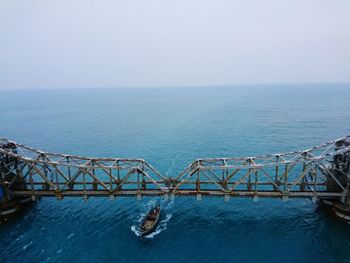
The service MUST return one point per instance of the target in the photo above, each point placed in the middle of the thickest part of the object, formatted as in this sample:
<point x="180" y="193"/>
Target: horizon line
<point x="167" y="86"/>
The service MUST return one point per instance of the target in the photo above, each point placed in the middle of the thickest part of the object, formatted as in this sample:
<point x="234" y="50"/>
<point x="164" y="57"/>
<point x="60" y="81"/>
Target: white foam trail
<point x="161" y="226"/>
<point x="135" y="230"/>
<point x="169" y="204"/>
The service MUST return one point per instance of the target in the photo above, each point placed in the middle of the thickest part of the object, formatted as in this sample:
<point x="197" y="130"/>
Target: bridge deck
<point x="192" y="192"/>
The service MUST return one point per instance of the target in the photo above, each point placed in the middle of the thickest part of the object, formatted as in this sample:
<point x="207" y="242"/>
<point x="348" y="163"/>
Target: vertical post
<point x="118" y="174"/>
<point x="302" y="184"/>
<point x="138" y="181"/>
<point x="57" y="181"/>
<point x="31" y="182"/>
<point x="119" y="186"/>
<point x="276" y="169"/>
<point x="249" y="185"/>
<point x="110" y="179"/>
<point x="84" y="185"/>
<point x="223" y="175"/>
<point x="286" y="178"/>
<point x="144" y="185"/>
<point x="277" y="181"/>
<point x="198" y="183"/>
<point x="94" y="183"/>
<point x="225" y="183"/>
<point x="69" y="172"/>
<point x="315" y="179"/>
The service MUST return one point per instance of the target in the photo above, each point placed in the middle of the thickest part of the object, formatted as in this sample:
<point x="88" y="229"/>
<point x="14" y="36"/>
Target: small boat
<point x="151" y="221"/>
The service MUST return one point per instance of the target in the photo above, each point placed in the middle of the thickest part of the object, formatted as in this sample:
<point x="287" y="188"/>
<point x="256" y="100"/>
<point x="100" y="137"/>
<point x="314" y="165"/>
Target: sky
<point x="113" y="43"/>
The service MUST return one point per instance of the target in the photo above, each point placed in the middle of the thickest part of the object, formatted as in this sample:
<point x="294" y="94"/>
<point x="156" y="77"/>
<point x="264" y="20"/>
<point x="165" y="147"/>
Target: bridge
<point x="321" y="172"/>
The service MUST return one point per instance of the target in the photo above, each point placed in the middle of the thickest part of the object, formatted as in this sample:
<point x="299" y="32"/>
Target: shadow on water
<point x="24" y="211"/>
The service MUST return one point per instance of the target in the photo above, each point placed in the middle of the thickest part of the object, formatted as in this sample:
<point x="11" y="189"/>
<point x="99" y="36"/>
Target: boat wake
<point x="162" y="225"/>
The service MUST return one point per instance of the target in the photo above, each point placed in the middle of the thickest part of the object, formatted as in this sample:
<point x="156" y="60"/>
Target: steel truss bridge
<point x="319" y="172"/>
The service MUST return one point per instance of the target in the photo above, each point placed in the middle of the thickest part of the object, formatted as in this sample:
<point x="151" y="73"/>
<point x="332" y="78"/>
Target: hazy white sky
<point x="63" y="44"/>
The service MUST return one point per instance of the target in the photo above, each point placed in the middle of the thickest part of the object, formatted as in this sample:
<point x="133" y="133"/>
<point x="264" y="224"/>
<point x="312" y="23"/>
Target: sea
<point x="170" y="127"/>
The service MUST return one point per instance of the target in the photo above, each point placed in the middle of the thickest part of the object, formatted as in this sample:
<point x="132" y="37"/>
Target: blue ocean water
<point x="170" y="127"/>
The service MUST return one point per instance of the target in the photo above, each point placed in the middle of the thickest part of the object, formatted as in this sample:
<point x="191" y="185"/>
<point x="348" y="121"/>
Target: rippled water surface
<point x="170" y="128"/>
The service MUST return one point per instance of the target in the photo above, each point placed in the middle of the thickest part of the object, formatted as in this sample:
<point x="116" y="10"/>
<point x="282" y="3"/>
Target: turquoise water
<point x="170" y="128"/>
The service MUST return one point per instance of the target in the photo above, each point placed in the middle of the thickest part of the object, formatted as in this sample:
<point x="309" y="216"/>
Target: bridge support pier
<point x="341" y="208"/>
<point x="340" y="169"/>
<point x="7" y="206"/>
<point x="10" y="206"/>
